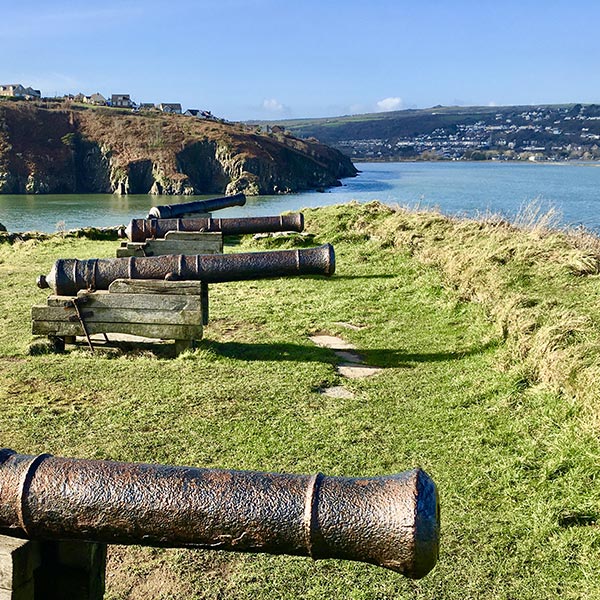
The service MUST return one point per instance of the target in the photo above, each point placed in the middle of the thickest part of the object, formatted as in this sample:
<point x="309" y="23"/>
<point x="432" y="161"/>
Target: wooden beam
<point x="150" y="330"/>
<point x="155" y="286"/>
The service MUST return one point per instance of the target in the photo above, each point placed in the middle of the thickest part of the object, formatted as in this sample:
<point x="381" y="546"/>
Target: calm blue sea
<point x="573" y="189"/>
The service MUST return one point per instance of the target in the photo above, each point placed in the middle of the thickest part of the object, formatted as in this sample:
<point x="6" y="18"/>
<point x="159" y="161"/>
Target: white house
<point x="170" y="107"/>
<point x="16" y="90"/>
<point x="96" y="99"/>
<point x="121" y="101"/>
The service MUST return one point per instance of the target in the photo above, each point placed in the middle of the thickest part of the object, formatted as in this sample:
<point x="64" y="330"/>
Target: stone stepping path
<point x="349" y="357"/>
<point x="352" y="365"/>
<point x="332" y="342"/>
<point x="357" y="371"/>
<point x="338" y="391"/>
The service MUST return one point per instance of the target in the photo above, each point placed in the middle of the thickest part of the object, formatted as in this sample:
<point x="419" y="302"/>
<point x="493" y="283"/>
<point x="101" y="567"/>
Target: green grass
<point x="512" y="449"/>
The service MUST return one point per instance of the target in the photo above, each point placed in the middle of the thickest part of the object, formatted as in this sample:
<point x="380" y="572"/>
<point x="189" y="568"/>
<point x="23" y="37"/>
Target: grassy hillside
<point x="557" y="132"/>
<point x="386" y="125"/>
<point x="488" y="335"/>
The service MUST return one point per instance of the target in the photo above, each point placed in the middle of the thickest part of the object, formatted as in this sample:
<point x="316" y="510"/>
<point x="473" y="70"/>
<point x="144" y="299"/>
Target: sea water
<point x="460" y="188"/>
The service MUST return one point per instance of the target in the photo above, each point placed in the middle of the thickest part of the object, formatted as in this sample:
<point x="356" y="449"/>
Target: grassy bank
<point x="488" y="338"/>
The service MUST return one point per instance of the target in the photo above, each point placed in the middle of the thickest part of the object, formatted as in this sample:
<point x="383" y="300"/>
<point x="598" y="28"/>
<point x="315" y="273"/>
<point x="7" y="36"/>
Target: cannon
<point x="390" y="521"/>
<point x="139" y="230"/>
<point x="68" y="276"/>
<point x="199" y="206"/>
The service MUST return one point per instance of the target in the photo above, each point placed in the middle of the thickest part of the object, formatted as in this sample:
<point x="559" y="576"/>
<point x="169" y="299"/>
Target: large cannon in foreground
<point x="139" y="230"/>
<point x="199" y="206"/>
<point x="390" y="521"/>
<point x="69" y="275"/>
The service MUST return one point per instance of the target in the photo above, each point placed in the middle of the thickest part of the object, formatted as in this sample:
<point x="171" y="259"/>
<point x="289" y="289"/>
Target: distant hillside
<point x="555" y="132"/>
<point x="67" y="148"/>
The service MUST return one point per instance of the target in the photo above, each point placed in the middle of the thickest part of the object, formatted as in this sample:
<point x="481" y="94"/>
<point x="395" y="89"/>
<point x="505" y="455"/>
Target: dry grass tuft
<point x="536" y="216"/>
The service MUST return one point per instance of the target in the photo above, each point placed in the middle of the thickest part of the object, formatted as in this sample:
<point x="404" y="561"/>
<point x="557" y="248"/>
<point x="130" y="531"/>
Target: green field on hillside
<point x="488" y="338"/>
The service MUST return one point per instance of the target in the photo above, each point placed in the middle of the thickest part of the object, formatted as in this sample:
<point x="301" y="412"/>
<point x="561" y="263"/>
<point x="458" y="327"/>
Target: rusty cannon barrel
<point x="390" y="521"/>
<point x="139" y="230"/>
<point x="167" y="211"/>
<point x="69" y="275"/>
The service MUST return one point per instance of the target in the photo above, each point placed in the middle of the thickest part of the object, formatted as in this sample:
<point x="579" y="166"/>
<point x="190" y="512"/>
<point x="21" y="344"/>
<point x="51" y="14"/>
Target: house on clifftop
<point x="16" y="90"/>
<point x="96" y="99"/>
<point x="199" y="114"/>
<point x="121" y="101"/>
<point x="166" y="107"/>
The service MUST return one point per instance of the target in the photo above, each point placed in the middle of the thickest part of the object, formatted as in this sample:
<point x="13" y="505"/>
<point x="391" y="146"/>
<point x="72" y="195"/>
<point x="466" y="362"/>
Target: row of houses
<point x="16" y="90"/>
<point x="125" y="101"/>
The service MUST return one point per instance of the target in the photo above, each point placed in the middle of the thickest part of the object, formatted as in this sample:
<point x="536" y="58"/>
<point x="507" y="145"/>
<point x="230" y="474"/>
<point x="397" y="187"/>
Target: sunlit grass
<point x="488" y="339"/>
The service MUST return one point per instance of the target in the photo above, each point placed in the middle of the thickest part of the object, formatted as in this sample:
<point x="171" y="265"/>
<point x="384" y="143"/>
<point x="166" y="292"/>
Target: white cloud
<point x="388" y="104"/>
<point x="274" y="106"/>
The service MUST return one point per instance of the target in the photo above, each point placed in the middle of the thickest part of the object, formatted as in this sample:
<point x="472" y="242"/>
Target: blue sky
<point x="268" y="59"/>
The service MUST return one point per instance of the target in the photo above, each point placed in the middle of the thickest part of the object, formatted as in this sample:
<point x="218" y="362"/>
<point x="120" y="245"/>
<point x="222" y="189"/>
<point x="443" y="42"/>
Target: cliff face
<point x="73" y="150"/>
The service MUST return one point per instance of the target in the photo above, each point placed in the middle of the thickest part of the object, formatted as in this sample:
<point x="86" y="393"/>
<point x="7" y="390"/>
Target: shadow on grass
<point x="380" y="357"/>
<point x="396" y="358"/>
<point x="275" y="351"/>
<point x="373" y="276"/>
<point x="308" y="353"/>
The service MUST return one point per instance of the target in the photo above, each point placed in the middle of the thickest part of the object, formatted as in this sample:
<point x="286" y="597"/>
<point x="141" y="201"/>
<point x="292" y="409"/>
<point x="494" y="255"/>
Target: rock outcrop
<point x="67" y="149"/>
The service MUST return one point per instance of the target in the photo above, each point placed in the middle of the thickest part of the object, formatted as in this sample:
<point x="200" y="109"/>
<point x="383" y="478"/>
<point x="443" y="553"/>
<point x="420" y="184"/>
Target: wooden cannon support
<point x="51" y="570"/>
<point x="174" y="242"/>
<point x="167" y="310"/>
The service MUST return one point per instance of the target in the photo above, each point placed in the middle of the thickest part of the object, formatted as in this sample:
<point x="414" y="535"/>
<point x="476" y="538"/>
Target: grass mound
<point x="538" y="285"/>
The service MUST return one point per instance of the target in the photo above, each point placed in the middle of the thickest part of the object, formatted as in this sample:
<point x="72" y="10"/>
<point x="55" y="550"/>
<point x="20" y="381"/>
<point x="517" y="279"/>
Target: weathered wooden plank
<point x="18" y="561"/>
<point x="126" y="253"/>
<point x="193" y="215"/>
<point x="175" y="242"/>
<point x="181" y="247"/>
<point x="150" y="330"/>
<point x="98" y="314"/>
<point x="210" y="237"/>
<point x="141" y="301"/>
<point x="60" y="300"/>
<point x="155" y="286"/>
<point x="105" y="299"/>
<point x="204" y="301"/>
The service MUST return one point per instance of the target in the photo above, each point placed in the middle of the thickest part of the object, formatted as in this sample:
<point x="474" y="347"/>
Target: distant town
<point x="532" y="134"/>
<point x="19" y="92"/>
<point x="535" y="133"/>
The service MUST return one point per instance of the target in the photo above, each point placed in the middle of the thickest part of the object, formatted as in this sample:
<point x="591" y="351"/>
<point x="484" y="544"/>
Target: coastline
<point x="454" y="187"/>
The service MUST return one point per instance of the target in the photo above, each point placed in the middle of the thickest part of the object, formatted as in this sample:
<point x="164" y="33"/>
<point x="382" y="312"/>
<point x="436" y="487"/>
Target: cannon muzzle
<point x="390" y="521"/>
<point x="199" y="206"/>
<point x="69" y="275"/>
<point x="139" y="230"/>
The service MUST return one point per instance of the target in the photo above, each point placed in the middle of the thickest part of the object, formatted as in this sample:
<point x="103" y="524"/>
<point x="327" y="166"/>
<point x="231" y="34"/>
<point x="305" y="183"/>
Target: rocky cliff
<point x="71" y="149"/>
